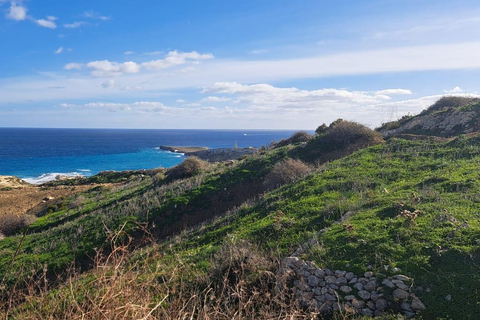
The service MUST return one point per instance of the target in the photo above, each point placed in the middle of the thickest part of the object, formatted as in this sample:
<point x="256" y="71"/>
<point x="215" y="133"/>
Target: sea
<point x="40" y="155"/>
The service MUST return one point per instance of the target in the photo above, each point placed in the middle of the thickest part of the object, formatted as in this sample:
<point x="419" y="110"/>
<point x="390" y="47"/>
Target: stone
<point x="403" y="278"/>
<point x="349" y="276"/>
<point x="349" y="297"/>
<point x="409" y="314"/>
<point x="330" y="297"/>
<point x="353" y="281"/>
<point x="332" y="291"/>
<point x="345" y="289"/>
<point x="365" y="295"/>
<point x="367" y="312"/>
<point x="400" y="294"/>
<point x="374" y="296"/>
<point x="301" y="285"/>
<point x="402" y="286"/>
<point x="418" y="305"/>
<point x="369" y="267"/>
<point x="339" y="274"/>
<point x="371" y="305"/>
<point x="328" y="272"/>
<point x="330" y="279"/>
<point x="307" y="296"/>
<point x="290" y="261"/>
<point x="379" y="289"/>
<point x="338" y="307"/>
<point x="320" y="273"/>
<point x="448" y="297"/>
<point x="317" y="291"/>
<point x="406" y="306"/>
<point x="381" y="304"/>
<point x="312" y="281"/>
<point x="363" y="280"/>
<point x="321" y="298"/>
<point x="341" y="281"/>
<point x="324" y="290"/>
<point x="396" y="270"/>
<point x="368" y="274"/>
<point x="358" y="286"/>
<point x="358" y="303"/>
<point x="388" y="283"/>
<point x="370" y="286"/>
<point x="305" y="273"/>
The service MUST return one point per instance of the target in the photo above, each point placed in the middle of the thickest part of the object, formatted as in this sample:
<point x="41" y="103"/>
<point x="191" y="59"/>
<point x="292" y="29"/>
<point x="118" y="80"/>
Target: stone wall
<point x="327" y="291"/>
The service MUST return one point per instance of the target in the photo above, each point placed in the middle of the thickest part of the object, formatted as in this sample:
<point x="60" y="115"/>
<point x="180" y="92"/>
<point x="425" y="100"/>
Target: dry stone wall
<point x="327" y="291"/>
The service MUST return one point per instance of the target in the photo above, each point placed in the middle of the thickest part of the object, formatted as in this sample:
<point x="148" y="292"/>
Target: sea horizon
<point x="39" y="155"/>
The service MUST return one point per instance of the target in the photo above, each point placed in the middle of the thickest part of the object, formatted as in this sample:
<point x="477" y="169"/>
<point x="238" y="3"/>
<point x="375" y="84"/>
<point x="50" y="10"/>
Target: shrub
<point x="450" y="102"/>
<point x="297" y="137"/>
<point x="11" y="223"/>
<point x="188" y="168"/>
<point x="321" y="129"/>
<point x="287" y="171"/>
<point x="346" y="132"/>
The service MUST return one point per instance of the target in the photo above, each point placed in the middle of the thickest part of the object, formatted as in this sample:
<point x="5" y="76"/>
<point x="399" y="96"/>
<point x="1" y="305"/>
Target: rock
<point x="320" y="273"/>
<point x="345" y="289"/>
<point x="400" y="294"/>
<point x="330" y="297"/>
<point x="341" y="281"/>
<point x="328" y="272"/>
<point x="338" y="307"/>
<point x="368" y="274"/>
<point x="448" y="297"/>
<point x="312" y="281"/>
<point x="290" y="261"/>
<point x="402" y="286"/>
<point x="363" y="294"/>
<point x="396" y="270"/>
<point x="353" y="281"/>
<point x="301" y="285"/>
<point x="317" y="291"/>
<point x="402" y="277"/>
<point x="358" y="303"/>
<point x="418" y="305"/>
<point x="358" y="286"/>
<point x="374" y="296"/>
<point x="406" y="306"/>
<point x="324" y="290"/>
<point x="370" y="286"/>
<point x="349" y="276"/>
<point x="349" y="297"/>
<point x="339" y="274"/>
<point x="321" y="298"/>
<point x="367" y="312"/>
<point x="363" y="280"/>
<point x="371" y="305"/>
<point x="381" y="304"/>
<point x="388" y="283"/>
<point x="330" y="279"/>
<point x="409" y="314"/>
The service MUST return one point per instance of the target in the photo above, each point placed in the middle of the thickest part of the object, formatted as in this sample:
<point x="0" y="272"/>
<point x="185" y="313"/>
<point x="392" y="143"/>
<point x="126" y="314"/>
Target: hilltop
<point x="338" y="224"/>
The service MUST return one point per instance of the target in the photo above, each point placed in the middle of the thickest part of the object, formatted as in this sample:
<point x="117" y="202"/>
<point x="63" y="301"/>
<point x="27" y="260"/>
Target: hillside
<point x="448" y="117"/>
<point x="338" y="223"/>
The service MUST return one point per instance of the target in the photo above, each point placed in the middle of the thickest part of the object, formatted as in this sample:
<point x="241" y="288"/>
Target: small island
<point x="212" y="155"/>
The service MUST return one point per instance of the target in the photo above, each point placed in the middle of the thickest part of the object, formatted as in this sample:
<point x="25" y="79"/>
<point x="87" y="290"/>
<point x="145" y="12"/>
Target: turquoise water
<point x="39" y="155"/>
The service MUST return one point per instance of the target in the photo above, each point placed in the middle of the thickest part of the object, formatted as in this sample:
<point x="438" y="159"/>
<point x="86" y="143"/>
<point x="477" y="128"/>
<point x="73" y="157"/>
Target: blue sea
<point x="39" y="155"/>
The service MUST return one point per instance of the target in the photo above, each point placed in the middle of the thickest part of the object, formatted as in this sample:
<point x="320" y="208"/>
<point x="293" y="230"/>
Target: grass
<point x="439" y="248"/>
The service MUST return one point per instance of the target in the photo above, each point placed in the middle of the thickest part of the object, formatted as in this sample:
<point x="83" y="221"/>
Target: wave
<point x="46" y="177"/>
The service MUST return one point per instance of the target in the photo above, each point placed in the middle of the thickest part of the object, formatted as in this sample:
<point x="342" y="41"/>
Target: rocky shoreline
<point x="211" y="155"/>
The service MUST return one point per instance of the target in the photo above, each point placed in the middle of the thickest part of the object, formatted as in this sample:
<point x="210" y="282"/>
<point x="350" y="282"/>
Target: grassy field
<point x="208" y="246"/>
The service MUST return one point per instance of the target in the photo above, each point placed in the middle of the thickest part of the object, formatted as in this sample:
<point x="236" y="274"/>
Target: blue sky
<point x="231" y="64"/>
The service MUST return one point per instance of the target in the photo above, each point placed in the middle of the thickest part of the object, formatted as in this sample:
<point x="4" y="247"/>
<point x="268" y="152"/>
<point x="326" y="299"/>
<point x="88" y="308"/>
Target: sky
<point x="262" y="64"/>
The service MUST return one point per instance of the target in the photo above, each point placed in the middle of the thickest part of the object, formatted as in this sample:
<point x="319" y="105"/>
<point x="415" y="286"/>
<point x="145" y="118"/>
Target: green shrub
<point x="11" y="223"/>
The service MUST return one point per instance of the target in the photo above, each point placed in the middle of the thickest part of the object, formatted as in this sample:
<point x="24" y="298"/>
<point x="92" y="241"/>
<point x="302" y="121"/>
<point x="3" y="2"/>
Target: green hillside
<point x="209" y="244"/>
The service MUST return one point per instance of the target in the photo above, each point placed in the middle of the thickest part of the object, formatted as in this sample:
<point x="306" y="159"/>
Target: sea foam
<point x="46" y="177"/>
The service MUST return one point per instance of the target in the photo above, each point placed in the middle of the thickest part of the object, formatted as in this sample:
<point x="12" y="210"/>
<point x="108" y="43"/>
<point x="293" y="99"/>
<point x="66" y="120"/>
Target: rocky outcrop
<point x="447" y="118"/>
<point x="12" y="182"/>
<point x="328" y="291"/>
<point x="212" y="155"/>
<point x="223" y="154"/>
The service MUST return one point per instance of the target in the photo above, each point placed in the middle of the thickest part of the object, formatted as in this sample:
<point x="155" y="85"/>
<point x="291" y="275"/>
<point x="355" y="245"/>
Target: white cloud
<point x="392" y="92"/>
<point x="75" y="25"/>
<point x="128" y="53"/>
<point x="175" y="58"/>
<point x="107" y="68"/>
<point x="17" y="12"/>
<point x="457" y="89"/>
<point x="95" y="16"/>
<point x="72" y="66"/>
<point x="109" y="84"/>
<point x="259" y="51"/>
<point x="216" y="99"/>
<point x="46" y="23"/>
<point x="59" y="50"/>
<point x="52" y="18"/>
<point x="180" y="101"/>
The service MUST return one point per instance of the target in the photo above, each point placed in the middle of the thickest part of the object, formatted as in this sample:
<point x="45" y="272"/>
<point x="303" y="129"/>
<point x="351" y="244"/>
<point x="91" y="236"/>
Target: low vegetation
<point x="208" y="244"/>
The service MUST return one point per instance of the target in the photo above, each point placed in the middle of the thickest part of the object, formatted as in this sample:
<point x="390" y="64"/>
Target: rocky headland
<point x="211" y="155"/>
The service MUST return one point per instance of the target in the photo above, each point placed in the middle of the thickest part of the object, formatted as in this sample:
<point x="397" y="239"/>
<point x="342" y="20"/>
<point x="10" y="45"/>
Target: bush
<point x="188" y="168"/>
<point x="345" y="132"/>
<point x="321" y="129"/>
<point x="297" y="137"/>
<point x="450" y="102"/>
<point x="11" y="223"/>
<point x="287" y="171"/>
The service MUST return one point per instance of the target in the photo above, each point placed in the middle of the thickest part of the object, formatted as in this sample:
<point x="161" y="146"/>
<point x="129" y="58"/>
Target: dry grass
<point x="240" y="284"/>
<point x="189" y="167"/>
<point x="287" y="171"/>
<point x="297" y="137"/>
<point x="10" y="223"/>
